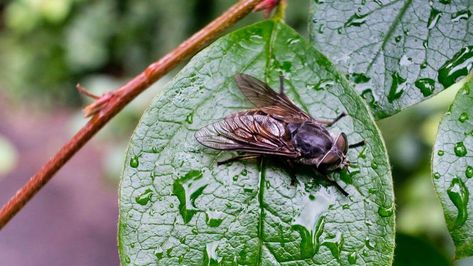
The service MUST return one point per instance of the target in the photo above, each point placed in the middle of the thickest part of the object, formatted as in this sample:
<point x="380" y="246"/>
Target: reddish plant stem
<point x="120" y="99"/>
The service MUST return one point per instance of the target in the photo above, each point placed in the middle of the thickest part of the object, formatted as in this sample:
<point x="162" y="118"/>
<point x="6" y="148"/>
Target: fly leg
<point x="239" y="158"/>
<point x="332" y="182"/>
<point x="358" y="144"/>
<point x="281" y="83"/>
<point x="329" y="123"/>
<point x="291" y="170"/>
<point x="340" y="116"/>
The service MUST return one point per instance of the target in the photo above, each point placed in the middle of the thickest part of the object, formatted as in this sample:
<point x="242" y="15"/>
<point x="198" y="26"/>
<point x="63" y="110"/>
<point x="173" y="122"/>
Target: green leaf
<point x="452" y="169"/>
<point x="178" y="206"/>
<point x="396" y="53"/>
<point x="414" y="251"/>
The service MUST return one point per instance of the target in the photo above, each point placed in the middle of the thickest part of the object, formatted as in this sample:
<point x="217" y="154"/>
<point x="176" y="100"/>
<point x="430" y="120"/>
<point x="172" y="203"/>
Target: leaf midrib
<point x="391" y="29"/>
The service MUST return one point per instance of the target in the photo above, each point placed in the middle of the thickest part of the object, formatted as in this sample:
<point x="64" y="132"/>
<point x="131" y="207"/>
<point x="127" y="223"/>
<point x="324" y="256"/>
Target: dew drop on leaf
<point x="425" y="85"/>
<point x="440" y="153"/>
<point x="462" y="14"/>
<point x="458" y="194"/>
<point x="394" y="92"/>
<point x="134" y="162"/>
<point x="213" y="218"/>
<point x="324" y="85"/>
<point x="374" y="165"/>
<point x="436" y="175"/>
<point x="210" y="255"/>
<point x="433" y="18"/>
<point x="459" y="65"/>
<point x="369" y="243"/>
<point x="144" y="197"/>
<point x="460" y="149"/>
<point x="469" y="171"/>
<point x="463" y="117"/>
<point x="334" y="244"/>
<point x="310" y="222"/>
<point x="190" y="118"/>
<point x="356" y="20"/>
<point x="352" y="258"/>
<point x="158" y="253"/>
<point x="187" y="189"/>
<point x="386" y="211"/>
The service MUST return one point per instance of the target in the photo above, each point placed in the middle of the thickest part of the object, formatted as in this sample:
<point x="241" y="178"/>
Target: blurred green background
<point x="48" y="46"/>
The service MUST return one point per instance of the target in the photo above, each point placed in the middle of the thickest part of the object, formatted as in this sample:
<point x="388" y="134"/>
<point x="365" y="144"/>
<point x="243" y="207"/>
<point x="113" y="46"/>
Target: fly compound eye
<point x="342" y="143"/>
<point x="330" y="160"/>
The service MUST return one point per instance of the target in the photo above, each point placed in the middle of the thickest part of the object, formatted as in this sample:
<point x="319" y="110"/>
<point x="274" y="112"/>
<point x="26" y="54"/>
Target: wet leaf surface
<point x="404" y="51"/>
<point x="177" y="206"/>
<point x="452" y="169"/>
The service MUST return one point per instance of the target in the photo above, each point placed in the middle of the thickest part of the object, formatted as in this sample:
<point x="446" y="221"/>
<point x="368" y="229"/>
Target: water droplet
<point x="460" y="149"/>
<point x="144" y="197"/>
<point x="423" y="65"/>
<point x="459" y="65"/>
<point x="127" y="259"/>
<point x="352" y="258"/>
<point x="436" y="175"/>
<point x="374" y="165"/>
<point x="334" y="244"/>
<point x="134" y="162"/>
<point x="321" y="28"/>
<point x="433" y="18"/>
<point x="356" y="20"/>
<point x="405" y="60"/>
<point x="210" y="255"/>
<point x="340" y="30"/>
<point x="398" y="38"/>
<point x="425" y="43"/>
<point x="463" y="117"/>
<point x="359" y="78"/>
<point x="294" y="41"/>
<point x="440" y="153"/>
<point x="386" y="211"/>
<point x="469" y="171"/>
<point x="324" y="85"/>
<point x="445" y="2"/>
<point x="158" y="253"/>
<point x="458" y="194"/>
<point x="244" y="172"/>
<point x="310" y="222"/>
<point x="369" y="243"/>
<point x="190" y="118"/>
<point x="462" y="14"/>
<point x="187" y="189"/>
<point x="346" y="206"/>
<point x="394" y="93"/>
<point x="372" y="190"/>
<point x="235" y="178"/>
<point x="426" y="86"/>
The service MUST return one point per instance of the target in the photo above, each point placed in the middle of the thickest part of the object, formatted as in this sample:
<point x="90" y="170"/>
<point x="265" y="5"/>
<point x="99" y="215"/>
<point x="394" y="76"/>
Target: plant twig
<point x="118" y="99"/>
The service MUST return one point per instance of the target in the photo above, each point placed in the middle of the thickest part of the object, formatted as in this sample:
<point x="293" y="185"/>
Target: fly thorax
<point x="312" y="140"/>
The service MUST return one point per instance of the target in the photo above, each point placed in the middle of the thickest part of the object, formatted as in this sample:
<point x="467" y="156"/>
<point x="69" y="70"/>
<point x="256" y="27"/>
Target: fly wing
<point x="249" y="132"/>
<point x="261" y="95"/>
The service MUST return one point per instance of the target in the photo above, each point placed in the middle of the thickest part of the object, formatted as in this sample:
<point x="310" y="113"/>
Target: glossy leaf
<point x="396" y="53"/>
<point x="452" y="169"/>
<point x="178" y="206"/>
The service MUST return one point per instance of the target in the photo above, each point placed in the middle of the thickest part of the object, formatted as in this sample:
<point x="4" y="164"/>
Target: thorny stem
<point x="124" y="95"/>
